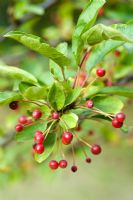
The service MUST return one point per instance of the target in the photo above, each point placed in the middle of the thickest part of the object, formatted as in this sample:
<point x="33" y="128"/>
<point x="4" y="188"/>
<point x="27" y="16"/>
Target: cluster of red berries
<point x="24" y="120"/>
<point x="38" y="147"/>
<point x="53" y="164"/>
<point x="118" y="120"/>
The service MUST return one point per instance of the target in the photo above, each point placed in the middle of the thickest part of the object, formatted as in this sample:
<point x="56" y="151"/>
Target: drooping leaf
<point x="37" y="44"/>
<point x="73" y="95"/>
<point x="56" y="96"/>
<point x="8" y="96"/>
<point x="68" y="121"/>
<point x="108" y="104"/>
<point x="28" y="133"/>
<point x="24" y="86"/>
<point x="102" y="49"/>
<point x="49" y="147"/>
<point x="55" y="69"/>
<point x="16" y="73"/>
<point x="35" y="93"/>
<point x="85" y="21"/>
<point x="114" y="90"/>
<point x="117" y="90"/>
<point x="100" y="32"/>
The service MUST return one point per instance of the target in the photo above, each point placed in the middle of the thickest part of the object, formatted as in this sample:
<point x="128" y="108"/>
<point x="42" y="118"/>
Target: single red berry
<point x="96" y="149"/>
<point x="89" y="104"/>
<point x="101" y="12"/>
<point x="120" y="117"/>
<point x="39" y="148"/>
<point x="100" y="72"/>
<point x="37" y="114"/>
<point x="63" y="163"/>
<point x="13" y="105"/>
<point x="38" y="133"/>
<point x="19" y="127"/>
<point x="88" y="160"/>
<point x="55" y="115"/>
<point x="53" y="164"/>
<point x="116" y="123"/>
<point x="108" y="83"/>
<point x="67" y="137"/>
<point x="38" y="137"/>
<point x="117" y="53"/>
<point x="29" y="120"/>
<point x="74" y="168"/>
<point x="23" y="120"/>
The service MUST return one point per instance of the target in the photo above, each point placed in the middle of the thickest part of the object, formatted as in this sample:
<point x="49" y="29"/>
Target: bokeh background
<point x="110" y="176"/>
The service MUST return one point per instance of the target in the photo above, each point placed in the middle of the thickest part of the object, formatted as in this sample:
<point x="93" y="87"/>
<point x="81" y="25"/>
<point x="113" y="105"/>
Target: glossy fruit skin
<point x="37" y="114"/>
<point x="23" y="120"/>
<point x="96" y="149"/>
<point x="63" y="164"/>
<point x="39" y="148"/>
<point x="74" y="168"/>
<point x="55" y="115"/>
<point x="53" y="164"/>
<point x="120" y="117"/>
<point x="38" y="137"/>
<point x="116" y="123"/>
<point x="89" y="104"/>
<point x="67" y="137"/>
<point x="13" y="105"/>
<point x="100" y="72"/>
<point x="19" y="127"/>
<point x="88" y="160"/>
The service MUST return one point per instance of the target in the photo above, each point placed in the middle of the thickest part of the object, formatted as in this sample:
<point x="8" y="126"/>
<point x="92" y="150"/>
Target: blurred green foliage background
<point x="110" y="176"/>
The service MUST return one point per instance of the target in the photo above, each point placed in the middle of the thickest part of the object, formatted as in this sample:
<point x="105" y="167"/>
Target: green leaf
<point x="24" y="86"/>
<point x="91" y="90"/>
<point x="117" y="90"/>
<point x="36" y="43"/>
<point x="73" y="95"/>
<point x="28" y="133"/>
<point x="68" y="121"/>
<point x="108" y="104"/>
<point x="16" y="73"/>
<point x="100" y="32"/>
<point x="49" y="147"/>
<point x="102" y="49"/>
<point x="56" y="96"/>
<point x="35" y="93"/>
<point x="46" y="110"/>
<point x="85" y="21"/>
<point x="8" y="96"/>
<point x="55" y="69"/>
